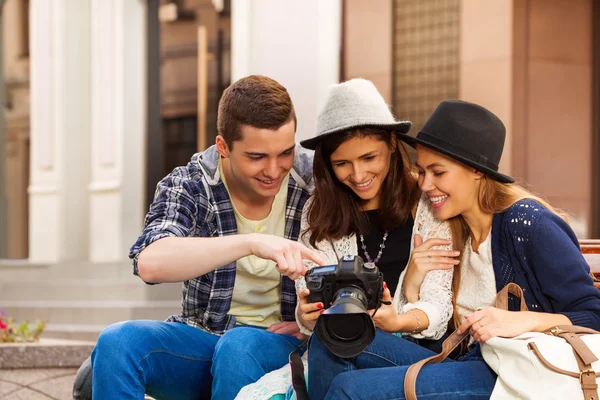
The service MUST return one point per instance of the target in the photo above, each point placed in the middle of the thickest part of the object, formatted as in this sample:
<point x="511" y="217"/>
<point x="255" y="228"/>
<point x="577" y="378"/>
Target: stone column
<point x="116" y="191"/>
<point x="295" y="43"/>
<point x="3" y="216"/>
<point x="60" y="129"/>
<point x="16" y="113"/>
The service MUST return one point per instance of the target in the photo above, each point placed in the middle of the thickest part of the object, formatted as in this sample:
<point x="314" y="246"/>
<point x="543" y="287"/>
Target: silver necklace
<point x="371" y="263"/>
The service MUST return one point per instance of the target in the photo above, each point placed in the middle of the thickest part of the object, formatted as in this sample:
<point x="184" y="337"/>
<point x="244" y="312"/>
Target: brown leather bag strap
<point x="587" y="379"/>
<point x="410" y="380"/>
<point x="502" y="296"/>
<point x="558" y="329"/>
<point x="533" y="347"/>
<point x="587" y="376"/>
<point x="580" y="348"/>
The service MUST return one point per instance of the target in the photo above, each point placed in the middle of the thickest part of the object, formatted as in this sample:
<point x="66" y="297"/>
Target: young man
<point x="226" y="226"/>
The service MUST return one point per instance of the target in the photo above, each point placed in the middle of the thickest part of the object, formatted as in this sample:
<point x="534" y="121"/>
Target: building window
<point x="426" y="57"/>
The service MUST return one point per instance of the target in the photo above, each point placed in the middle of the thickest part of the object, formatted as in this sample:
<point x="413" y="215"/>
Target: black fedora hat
<point x="466" y="132"/>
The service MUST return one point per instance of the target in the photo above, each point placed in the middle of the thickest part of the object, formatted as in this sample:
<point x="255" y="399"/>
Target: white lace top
<point x="435" y="294"/>
<point x="436" y="290"/>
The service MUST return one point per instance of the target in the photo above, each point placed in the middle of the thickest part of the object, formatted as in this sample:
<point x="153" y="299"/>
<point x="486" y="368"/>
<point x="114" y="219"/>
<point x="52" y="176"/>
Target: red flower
<point x="2" y="324"/>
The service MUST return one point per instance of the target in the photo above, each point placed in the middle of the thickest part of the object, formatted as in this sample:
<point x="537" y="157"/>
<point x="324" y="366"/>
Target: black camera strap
<point x="298" y="380"/>
<point x="387" y="303"/>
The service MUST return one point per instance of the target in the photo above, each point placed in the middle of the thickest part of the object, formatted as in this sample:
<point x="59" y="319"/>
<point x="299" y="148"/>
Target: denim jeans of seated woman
<point x="169" y="360"/>
<point x="378" y="372"/>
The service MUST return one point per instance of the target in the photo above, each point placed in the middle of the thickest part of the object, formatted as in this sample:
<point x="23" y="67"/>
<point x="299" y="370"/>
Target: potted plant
<point x="25" y="332"/>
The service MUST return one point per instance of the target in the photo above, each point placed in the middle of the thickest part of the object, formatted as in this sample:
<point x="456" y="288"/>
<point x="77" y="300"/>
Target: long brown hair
<point x="493" y="197"/>
<point x="336" y="211"/>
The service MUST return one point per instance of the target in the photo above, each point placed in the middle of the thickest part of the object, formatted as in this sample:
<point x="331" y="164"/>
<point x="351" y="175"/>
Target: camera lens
<point x="346" y="328"/>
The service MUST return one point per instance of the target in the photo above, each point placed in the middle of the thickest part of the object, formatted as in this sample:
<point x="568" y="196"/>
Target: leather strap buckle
<point x="556" y="330"/>
<point x="586" y="374"/>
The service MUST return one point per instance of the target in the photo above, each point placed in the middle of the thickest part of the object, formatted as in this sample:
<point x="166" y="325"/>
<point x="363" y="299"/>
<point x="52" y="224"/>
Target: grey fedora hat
<point x="466" y="132"/>
<point x="354" y="104"/>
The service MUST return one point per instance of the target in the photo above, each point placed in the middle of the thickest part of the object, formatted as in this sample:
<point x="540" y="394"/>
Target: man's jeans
<point x="169" y="360"/>
<point x="378" y="372"/>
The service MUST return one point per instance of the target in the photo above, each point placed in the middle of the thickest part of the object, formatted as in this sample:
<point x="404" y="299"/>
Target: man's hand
<point x="286" y="254"/>
<point x="422" y="260"/>
<point x="287" y="328"/>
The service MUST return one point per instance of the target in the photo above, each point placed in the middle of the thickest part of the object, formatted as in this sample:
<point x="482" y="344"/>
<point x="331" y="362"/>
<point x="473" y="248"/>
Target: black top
<point x="396" y="252"/>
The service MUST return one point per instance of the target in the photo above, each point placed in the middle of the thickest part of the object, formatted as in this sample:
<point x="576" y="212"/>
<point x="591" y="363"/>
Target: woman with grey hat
<point x="365" y="203"/>
<point x="505" y="235"/>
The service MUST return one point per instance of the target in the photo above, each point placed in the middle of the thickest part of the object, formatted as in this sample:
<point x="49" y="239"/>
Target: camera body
<point x="335" y="282"/>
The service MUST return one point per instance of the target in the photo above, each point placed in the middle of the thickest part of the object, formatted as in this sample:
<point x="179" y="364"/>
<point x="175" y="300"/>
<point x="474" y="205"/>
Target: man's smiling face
<point x="258" y="163"/>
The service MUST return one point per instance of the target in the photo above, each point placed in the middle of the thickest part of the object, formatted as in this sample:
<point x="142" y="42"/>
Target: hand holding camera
<point x="386" y="317"/>
<point x="346" y="291"/>
<point x="310" y="311"/>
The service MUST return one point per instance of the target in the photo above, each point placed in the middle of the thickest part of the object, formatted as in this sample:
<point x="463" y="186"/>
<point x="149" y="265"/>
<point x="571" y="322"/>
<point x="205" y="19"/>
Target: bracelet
<point x="416" y="330"/>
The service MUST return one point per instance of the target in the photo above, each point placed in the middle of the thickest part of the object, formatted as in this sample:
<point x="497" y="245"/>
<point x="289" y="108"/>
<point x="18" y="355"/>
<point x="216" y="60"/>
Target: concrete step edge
<point x="87" y="328"/>
<point x="88" y="303"/>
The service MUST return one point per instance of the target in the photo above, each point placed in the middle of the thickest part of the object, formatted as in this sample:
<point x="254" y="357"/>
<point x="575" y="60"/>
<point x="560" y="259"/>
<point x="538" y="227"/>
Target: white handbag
<point x="557" y="364"/>
<point x="560" y="363"/>
<point x="545" y="365"/>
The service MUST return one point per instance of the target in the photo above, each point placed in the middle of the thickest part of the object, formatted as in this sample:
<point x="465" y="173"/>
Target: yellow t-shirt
<point x="257" y="291"/>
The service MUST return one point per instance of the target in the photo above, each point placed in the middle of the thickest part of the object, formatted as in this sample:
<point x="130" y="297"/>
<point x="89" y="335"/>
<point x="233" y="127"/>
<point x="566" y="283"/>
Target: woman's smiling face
<point x="452" y="187"/>
<point x="362" y="163"/>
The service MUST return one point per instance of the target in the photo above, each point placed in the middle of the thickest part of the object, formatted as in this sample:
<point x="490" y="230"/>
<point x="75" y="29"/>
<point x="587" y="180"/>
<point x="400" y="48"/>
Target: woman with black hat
<point x="505" y="234"/>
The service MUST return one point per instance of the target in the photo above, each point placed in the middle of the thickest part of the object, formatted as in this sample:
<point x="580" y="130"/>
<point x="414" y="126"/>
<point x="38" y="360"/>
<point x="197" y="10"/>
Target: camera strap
<point x="387" y="303"/>
<point x="298" y="380"/>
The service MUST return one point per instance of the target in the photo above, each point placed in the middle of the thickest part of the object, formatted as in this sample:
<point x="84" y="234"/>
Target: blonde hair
<point x="493" y="197"/>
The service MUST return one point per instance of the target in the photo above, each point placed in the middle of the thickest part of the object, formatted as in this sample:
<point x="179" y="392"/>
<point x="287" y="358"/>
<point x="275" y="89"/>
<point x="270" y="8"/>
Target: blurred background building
<point x="102" y="98"/>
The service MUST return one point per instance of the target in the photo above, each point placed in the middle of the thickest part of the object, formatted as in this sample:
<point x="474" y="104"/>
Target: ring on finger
<point x="429" y="259"/>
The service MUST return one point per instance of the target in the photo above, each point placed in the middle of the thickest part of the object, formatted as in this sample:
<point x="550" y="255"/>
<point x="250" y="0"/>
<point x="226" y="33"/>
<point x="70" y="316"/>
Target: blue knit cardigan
<point x="537" y="250"/>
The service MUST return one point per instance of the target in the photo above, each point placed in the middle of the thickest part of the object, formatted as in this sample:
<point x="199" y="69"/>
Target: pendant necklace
<point x="371" y="263"/>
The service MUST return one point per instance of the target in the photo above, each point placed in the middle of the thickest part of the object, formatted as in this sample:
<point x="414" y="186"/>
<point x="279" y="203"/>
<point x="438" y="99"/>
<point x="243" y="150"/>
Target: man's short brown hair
<point x="257" y="101"/>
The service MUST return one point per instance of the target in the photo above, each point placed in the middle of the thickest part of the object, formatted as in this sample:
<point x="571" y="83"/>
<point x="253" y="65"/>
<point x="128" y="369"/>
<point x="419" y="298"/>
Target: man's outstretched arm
<point x="175" y="259"/>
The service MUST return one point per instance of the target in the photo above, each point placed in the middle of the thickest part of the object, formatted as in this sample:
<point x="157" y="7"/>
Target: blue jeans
<point x="378" y="372"/>
<point x="169" y="360"/>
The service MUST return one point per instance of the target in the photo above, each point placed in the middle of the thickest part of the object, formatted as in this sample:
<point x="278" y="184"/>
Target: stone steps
<point x="130" y="288"/>
<point x="26" y="271"/>
<point x="78" y="300"/>
<point x="74" y="331"/>
<point x="88" y="312"/>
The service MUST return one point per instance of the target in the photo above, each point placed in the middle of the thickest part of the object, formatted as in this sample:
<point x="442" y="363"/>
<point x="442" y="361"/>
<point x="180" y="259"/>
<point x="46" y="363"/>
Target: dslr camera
<point x="347" y="290"/>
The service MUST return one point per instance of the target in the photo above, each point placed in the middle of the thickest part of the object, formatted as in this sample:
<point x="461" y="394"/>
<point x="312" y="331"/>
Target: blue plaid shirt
<point x="192" y="201"/>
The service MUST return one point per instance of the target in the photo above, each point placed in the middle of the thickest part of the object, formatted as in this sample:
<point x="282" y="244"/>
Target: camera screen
<point x="325" y="270"/>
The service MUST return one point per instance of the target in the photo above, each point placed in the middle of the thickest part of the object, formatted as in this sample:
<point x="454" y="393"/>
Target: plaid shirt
<point x="192" y="201"/>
